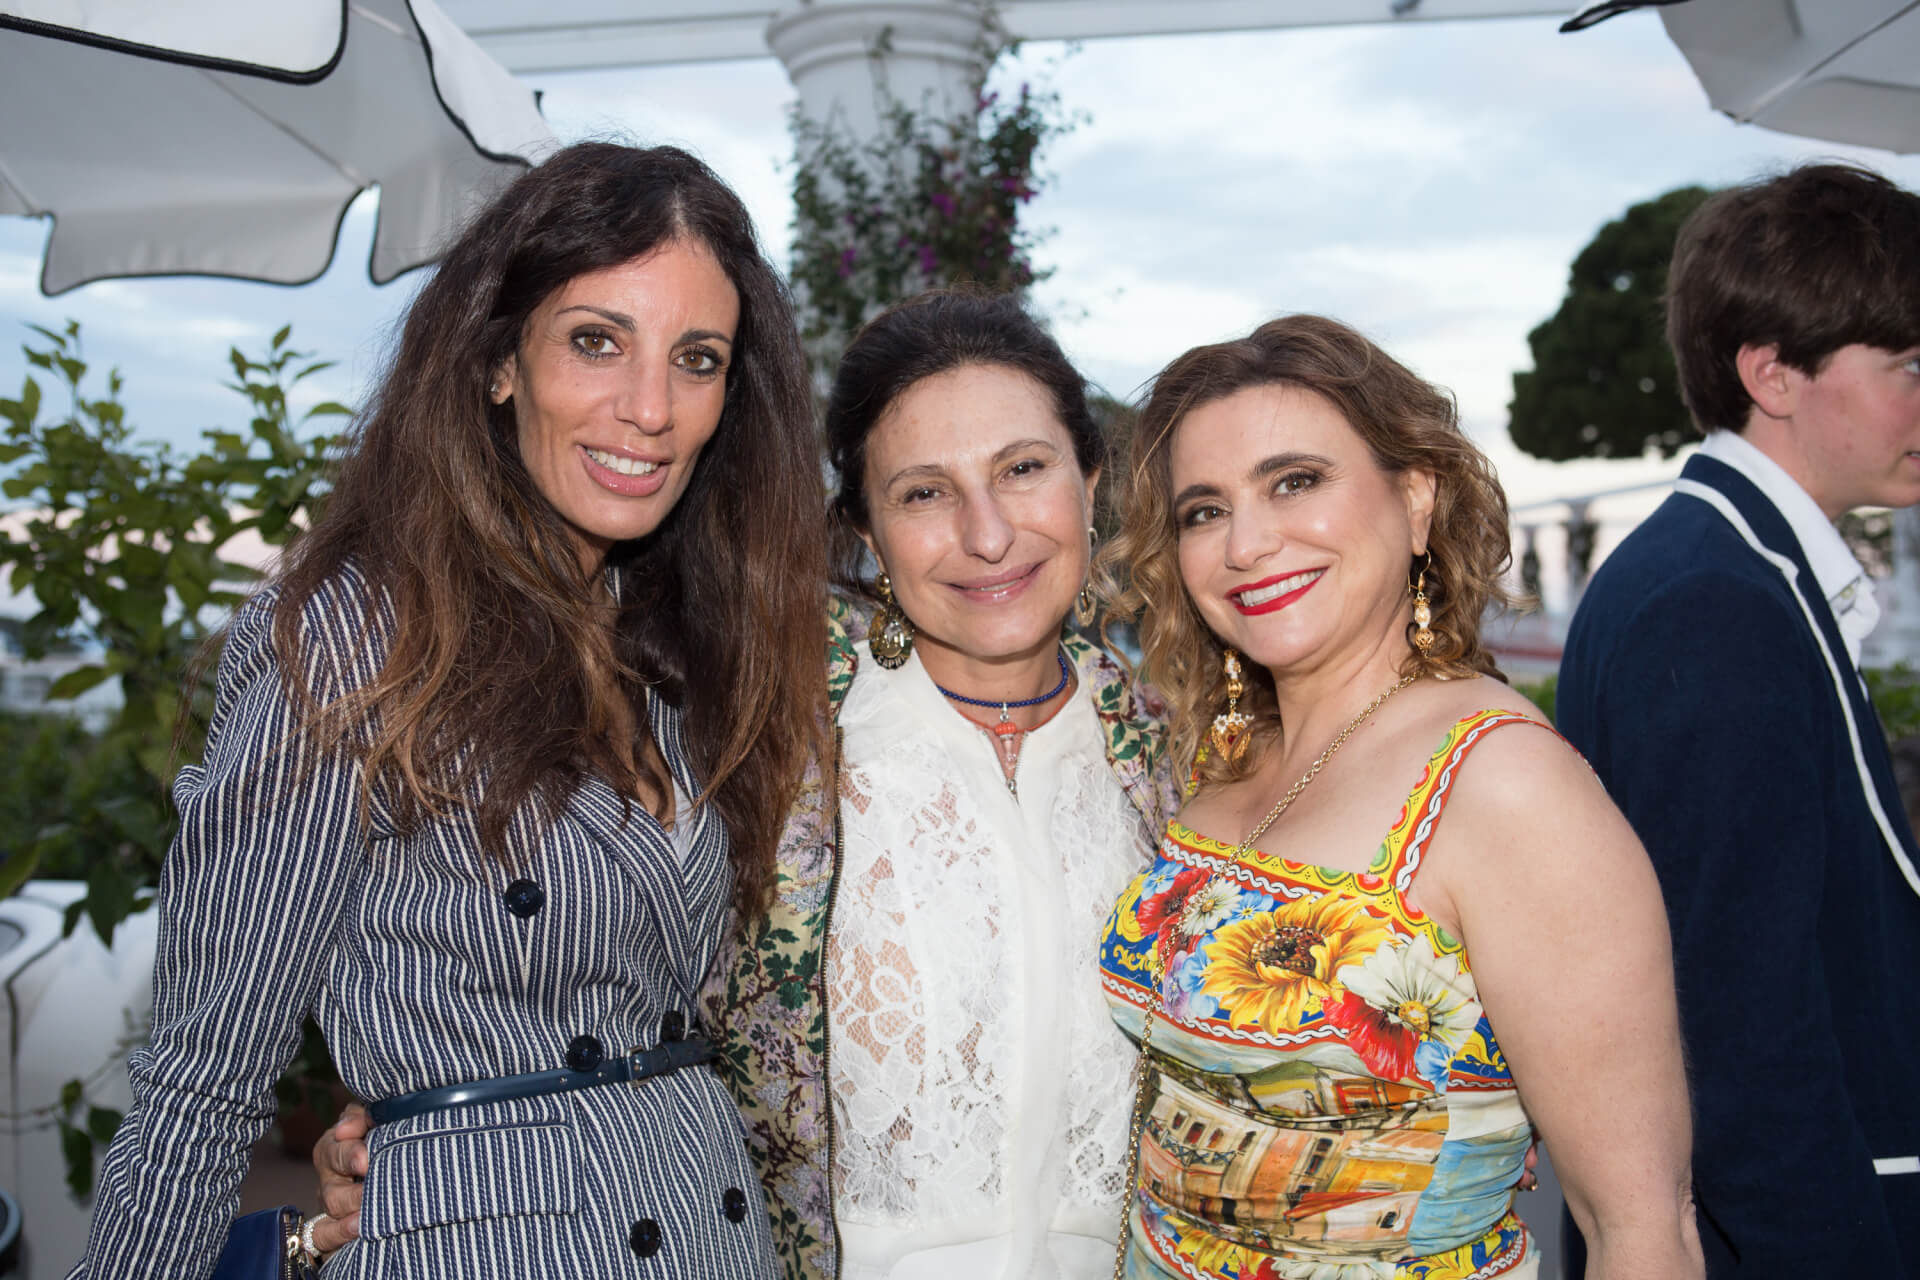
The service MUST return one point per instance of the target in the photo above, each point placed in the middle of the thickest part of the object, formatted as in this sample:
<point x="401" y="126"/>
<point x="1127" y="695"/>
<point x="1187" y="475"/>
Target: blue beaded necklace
<point x="1006" y="706"/>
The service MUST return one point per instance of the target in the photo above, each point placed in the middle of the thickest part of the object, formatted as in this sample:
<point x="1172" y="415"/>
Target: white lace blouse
<point x="979" y="1088"/>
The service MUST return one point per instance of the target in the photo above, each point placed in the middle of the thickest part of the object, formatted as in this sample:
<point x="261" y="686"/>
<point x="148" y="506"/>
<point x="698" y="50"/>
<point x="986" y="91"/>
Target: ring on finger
<point x="307" y="1245"/>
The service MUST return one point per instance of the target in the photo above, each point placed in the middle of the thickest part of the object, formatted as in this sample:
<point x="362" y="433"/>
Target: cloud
<point x="170" y="337"/>
<point x="1429" y="182"/>
<point x="732" y="115"/>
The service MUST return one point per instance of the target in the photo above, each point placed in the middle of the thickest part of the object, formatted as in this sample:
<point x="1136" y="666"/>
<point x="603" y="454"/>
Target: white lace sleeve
<point x="916" y="1095"/>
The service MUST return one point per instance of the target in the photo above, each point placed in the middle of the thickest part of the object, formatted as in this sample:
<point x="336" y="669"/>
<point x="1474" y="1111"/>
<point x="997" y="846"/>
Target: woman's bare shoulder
<point x="1430" y="710"/>
<point x="1521" y="780"/>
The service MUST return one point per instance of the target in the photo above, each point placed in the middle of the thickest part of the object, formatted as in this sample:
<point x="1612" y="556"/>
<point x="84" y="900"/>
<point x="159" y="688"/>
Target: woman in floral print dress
<point x="1324" y="1096"/>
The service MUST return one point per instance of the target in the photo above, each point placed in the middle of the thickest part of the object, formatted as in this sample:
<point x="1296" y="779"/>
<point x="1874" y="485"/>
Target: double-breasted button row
<point x="646" y="1238"/>
<point x="585" y="1054"/>
<point x="524" y="898"/>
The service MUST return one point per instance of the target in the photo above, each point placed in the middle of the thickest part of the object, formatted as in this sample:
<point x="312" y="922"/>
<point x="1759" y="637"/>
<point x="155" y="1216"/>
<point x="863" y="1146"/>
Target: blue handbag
<point x="265" y="1246"/>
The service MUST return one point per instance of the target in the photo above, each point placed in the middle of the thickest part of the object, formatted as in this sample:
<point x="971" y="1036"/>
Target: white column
<point x="1582" y="531"/>
<point x="1530" y="565"/>
<point x="848" y="56"/>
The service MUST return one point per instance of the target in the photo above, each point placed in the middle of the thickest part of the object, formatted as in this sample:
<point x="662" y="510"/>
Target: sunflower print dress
<point x="1325" y="1099"/>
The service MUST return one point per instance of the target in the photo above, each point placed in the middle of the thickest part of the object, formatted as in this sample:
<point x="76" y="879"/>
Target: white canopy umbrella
<point x="228" y="137"/>
<point x="1842" y="70"/>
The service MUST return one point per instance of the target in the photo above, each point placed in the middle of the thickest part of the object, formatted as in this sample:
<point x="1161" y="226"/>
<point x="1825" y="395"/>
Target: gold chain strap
<point x="1144" y="1066"/>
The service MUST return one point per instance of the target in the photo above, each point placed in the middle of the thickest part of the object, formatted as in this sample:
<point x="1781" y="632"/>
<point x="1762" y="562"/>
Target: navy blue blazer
<point x="1707" y="682"/>
<point x="427" y="963"/>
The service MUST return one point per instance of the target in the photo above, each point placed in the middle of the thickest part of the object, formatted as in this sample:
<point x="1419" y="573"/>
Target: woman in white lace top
<point x="978" y="1092"/>
<point x="914" y="1033"/>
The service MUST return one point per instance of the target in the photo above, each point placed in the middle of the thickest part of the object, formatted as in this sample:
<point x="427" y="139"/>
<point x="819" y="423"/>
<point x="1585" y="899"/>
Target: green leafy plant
<point x="41" y="759"/>
<point x="125" y="551"/>
<point x="1895" y="691"/>
<point x="83" y="1127"/>
<point x="1539" y="692"/>
<point x="932" y="201"/>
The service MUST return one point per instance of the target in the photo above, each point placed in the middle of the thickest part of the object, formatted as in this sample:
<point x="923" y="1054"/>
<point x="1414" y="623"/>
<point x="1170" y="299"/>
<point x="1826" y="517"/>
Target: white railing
<point x="1559" y="542"/>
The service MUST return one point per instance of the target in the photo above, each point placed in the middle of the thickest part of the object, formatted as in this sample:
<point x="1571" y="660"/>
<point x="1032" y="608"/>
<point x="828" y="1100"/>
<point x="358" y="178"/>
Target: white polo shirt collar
<point x="1848" y="589"/>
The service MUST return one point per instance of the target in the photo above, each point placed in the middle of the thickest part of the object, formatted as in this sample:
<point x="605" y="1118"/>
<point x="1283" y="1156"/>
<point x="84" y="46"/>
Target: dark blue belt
<point x="669" y="1055"/>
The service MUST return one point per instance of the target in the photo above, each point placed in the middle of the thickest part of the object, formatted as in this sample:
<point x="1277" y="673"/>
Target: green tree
<point x="126" y="544"/>
<point x="1603" y="383"/>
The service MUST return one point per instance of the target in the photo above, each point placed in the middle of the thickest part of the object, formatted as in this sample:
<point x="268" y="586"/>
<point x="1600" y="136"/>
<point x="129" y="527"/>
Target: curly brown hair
<point x="1406" y="422"/>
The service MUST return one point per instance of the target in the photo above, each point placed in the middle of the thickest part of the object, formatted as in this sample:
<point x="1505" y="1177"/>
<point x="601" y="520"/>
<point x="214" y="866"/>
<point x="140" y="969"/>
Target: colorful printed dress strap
<point x="1407" y="843"/>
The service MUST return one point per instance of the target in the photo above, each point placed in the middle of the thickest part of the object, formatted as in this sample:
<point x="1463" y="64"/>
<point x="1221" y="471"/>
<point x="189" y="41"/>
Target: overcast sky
<point x="1429" y="183"/>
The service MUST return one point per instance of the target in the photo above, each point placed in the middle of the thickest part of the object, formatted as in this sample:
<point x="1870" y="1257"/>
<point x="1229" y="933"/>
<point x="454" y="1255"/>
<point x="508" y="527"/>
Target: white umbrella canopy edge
<point x="499" y="115"/>
<point x="155" y="165"/>
<point x="1859" y="75"/>
<point x="303" y="43"/>
<point x="1843" y="71"/>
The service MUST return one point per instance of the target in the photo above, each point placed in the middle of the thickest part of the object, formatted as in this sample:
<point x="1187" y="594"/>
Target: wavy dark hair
<point x="501" y="677"/>
<point x="929" y="334"/>
<point x="1406" y="423"/>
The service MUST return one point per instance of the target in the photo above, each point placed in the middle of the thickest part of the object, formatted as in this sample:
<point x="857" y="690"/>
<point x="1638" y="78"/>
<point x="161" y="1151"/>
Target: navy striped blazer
<point x="279" y="898"/>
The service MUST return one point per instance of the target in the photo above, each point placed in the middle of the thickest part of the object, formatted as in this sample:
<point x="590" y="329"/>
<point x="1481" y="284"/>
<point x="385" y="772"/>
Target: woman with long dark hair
<point x="930" y="1088"/>
<point x="492" y="755"/>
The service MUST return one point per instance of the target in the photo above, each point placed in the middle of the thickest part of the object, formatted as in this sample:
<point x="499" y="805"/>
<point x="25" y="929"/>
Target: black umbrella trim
<point x="426" y="45"/>
<point x="53" y="32"/>
<point x="269" y="73"/>
<point x="1599" y="13"/>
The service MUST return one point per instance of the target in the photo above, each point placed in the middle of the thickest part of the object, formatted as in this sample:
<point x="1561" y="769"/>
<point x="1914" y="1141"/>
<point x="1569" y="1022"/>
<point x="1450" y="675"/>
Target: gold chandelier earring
<point x="1422" y="610"/>
<point x="1229" y="735"/>
<point x="890" y="639"/>
<point x="1084" y="603"/>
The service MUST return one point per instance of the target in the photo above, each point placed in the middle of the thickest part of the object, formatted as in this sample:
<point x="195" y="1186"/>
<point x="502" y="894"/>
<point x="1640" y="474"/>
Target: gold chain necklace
<point x="1153" y="1008"/>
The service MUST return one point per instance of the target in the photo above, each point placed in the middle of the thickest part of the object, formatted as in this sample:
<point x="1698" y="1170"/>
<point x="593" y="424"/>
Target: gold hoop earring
<point x="1422" y="610"/>
<point x="890" y="639"/>
<point x="1229" y="735"/>
<point x="1084" y="603"/>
